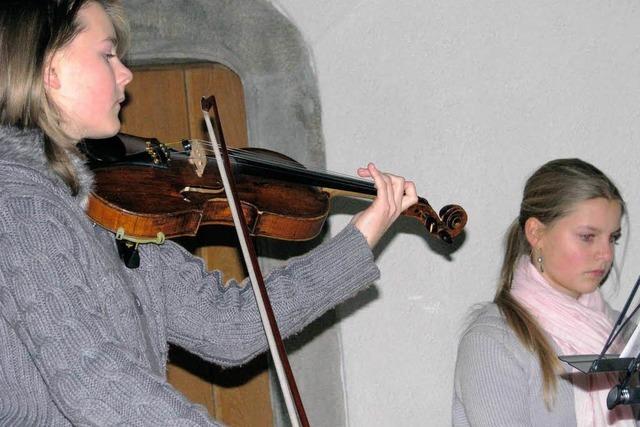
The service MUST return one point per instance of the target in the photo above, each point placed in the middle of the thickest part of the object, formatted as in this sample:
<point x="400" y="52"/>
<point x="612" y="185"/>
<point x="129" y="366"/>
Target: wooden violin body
<point x="175" y="201"/>
<point x="143" y="189"/>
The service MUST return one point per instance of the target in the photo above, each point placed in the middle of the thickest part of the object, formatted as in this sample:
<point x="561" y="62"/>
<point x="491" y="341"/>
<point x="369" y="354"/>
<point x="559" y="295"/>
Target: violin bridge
<point x="197" y="155"/>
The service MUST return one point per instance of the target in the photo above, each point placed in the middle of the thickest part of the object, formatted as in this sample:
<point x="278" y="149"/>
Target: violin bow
<point x="287" y="382"/>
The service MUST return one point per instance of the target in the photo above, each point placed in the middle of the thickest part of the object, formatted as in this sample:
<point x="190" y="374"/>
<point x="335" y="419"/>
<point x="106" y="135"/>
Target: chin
<point x="106" y="132"/>
<point x="589" y="288"/>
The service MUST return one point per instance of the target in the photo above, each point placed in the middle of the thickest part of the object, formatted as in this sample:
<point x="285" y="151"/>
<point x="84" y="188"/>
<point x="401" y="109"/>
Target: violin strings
<point x="292" y="169"/>
<point x="287" y="165"/>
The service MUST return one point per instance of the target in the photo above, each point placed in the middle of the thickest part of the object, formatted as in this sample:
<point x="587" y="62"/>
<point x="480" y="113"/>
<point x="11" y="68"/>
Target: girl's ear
<point x="534" y="232"/>
<point x="51" y="80"/>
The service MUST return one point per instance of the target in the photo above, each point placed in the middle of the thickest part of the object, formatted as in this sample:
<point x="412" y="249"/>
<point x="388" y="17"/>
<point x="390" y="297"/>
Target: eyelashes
<point x="614" y="238"/>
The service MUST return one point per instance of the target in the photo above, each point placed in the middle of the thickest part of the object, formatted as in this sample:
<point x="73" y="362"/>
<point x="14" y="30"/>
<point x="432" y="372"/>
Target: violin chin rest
<point x="106" y="150"/>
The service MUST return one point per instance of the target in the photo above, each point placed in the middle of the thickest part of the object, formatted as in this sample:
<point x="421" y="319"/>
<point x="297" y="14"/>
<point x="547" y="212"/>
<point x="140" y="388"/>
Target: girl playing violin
<point x="83" y="338"/>
<point x="558" y="252"/>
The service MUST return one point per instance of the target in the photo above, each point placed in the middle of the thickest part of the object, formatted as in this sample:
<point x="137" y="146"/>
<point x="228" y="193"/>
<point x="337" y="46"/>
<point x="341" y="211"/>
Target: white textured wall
<point x="467" y="98"/>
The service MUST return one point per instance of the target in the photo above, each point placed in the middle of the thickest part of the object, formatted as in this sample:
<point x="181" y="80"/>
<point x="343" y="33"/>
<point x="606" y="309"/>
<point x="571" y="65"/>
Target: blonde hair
<point x="549" y="194"/>
<point x="31" y="31"/>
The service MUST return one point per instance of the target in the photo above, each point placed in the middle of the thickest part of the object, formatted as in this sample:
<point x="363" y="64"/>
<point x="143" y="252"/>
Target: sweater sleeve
<point x="221" y="323"/>
<point x="491" y="386"/>
<point x="51" y="302"/>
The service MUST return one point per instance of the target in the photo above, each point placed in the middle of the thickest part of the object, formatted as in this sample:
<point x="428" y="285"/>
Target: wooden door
<point x="164" y="102"/>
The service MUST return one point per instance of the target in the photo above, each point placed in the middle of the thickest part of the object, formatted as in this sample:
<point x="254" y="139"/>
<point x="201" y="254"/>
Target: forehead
<point x="599" y="213"/>
<point x="94" y="22"/>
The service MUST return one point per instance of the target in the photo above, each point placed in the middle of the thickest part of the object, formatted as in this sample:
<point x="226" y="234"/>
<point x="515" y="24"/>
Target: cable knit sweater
<point x="83" y="339"/>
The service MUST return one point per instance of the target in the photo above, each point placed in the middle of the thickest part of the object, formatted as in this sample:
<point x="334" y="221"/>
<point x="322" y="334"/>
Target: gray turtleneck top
<point x="83" y="339"/>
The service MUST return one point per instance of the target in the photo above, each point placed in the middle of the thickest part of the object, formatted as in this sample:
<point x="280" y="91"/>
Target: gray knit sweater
<point x="498" y="382"/>
<point x="83" y="339"/>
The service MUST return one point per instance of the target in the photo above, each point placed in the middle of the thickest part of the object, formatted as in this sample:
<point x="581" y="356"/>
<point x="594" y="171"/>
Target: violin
<point x="147" y="191"/>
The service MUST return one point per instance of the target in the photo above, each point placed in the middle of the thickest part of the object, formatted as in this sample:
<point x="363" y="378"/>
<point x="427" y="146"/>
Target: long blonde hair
<point x="549" y="194"/>
<point x="31" y="31"/>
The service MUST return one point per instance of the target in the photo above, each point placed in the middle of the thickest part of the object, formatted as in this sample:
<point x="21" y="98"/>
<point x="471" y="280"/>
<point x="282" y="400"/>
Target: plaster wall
<point x="466" y="98"/>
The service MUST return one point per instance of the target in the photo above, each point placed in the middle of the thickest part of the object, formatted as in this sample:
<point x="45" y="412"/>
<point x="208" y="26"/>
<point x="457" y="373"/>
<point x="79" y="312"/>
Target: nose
<point x="606" y="251"/>
<point x="124" y="75"/>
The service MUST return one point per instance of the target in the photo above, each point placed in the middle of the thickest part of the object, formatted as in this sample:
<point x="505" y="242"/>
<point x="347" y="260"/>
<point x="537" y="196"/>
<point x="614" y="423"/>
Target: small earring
<point x="539" y="259"/>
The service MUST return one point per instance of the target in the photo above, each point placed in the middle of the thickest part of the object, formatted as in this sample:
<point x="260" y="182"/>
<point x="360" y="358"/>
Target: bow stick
<point x="287" y="382"/>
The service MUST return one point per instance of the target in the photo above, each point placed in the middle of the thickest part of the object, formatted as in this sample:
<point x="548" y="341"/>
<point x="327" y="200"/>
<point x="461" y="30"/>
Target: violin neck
<point x="299" y="175"/>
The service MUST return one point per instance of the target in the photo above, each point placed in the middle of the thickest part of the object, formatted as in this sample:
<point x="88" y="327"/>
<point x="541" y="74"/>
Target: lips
<point x="597" y="273"/>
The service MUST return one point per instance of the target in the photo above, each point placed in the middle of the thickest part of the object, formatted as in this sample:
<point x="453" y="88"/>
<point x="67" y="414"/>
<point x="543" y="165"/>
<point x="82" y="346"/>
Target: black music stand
<point x="622" y="393"/>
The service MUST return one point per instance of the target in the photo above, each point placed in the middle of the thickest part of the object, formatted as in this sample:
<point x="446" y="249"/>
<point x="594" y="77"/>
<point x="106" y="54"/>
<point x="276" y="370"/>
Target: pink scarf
<point x="577" y="326"/>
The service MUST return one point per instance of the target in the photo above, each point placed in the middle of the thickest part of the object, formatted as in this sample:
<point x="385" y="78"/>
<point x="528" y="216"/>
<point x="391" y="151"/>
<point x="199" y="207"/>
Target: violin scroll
<point x="454" y="218"/>
<point x="446" y="225"/>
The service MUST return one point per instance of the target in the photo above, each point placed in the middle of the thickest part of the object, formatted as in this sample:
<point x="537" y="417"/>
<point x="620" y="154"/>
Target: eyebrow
<point x="590" y="228"/>
<point x="112" y="40"/>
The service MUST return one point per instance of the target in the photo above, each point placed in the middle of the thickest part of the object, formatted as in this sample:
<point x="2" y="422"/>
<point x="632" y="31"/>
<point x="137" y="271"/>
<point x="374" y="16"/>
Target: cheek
<point x="85" y="84"/>
<point x="573" y="257"/>
<point x="95" y="111"/>
<point x="99" y="89"/>
<point x="570" y="259"/>
<point x="94" y="97"/>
